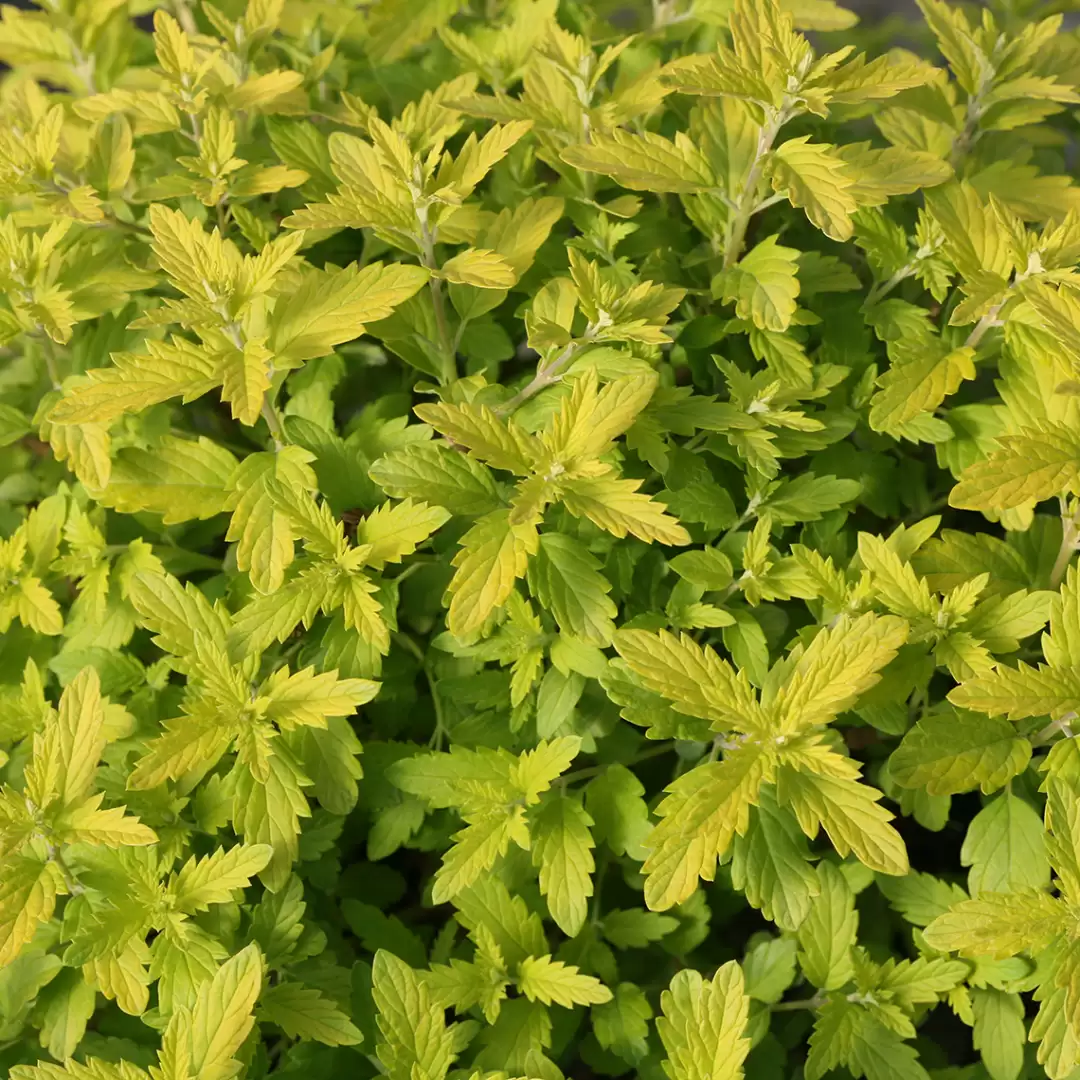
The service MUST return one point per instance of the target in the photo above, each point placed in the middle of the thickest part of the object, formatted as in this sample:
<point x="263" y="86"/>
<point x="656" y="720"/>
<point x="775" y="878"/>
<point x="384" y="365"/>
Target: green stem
<point x="1068" y="546"/>
<point x="112" y="222"/>
<point x="543" y="378"/>
<point x="548" y="374"/>
<point x="602" y="864"/>
<point x="983" y="325"/>
<point x="407" y="643"/>
<point x="882" y="289"/>
<point x="48" y="350"/>
<point x="71" y="883"/>
<point x="747" y="204"/>
<point x="973" y="113"/>
<point x="1061" y="726"/>
<point x="594" y="770"/>
<point x="814" y="1002"/>
<point x="273" y="421"/>
<point x="185" y="18"/>
<point x="448" y="353"/>
<point x="439" y="734"/>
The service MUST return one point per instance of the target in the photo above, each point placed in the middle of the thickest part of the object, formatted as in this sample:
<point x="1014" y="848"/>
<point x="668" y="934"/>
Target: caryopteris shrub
<point x="533" y="549"/>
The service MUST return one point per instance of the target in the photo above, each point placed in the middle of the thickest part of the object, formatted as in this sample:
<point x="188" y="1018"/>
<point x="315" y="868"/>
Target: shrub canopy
<point x="524" y="545"/>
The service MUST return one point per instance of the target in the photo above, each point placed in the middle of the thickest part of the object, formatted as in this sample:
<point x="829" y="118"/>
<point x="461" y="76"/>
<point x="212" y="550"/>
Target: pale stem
<point x="48" y="350"/>
<point x="1060" y="726"/>
<point x="883" y="288"/>
<point x="549" y="373"/>
<point x="991" y="318"/>
<point x="590" y="771"/>
<point x="972" y="115"/>
<point x="1069" y="537"/>
<point x="70" y="881"/>
<point x="438" y="302"/>
<point x="814" y="1002"/>
<point x="273" y="421"/>
<point x="185" y="18"/>
<point x="985" y="323"/>
<point x="746" y="205"/>
<point x="543" y="378"/>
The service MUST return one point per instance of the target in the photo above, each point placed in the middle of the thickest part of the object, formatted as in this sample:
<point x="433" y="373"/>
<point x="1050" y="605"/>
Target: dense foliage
<point x="536" y="550"/>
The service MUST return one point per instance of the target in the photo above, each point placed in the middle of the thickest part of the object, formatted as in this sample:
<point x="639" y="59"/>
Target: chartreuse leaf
<point x="699" y="817"/>
<point x="695" y="680"/>
<point x="329" y="308"/>
<point x="763" y="286"/>
<point x="415" y="1041"/>
<point x="1029" y="466"/>
<point x="705" y="809"/>
<point x="999" y="924"/>
<point x="205" y="1040"/>
<point x="845" y="1035"/>
<point x="562" y="848"/>
<point x="644" y="162"/>
<point x="563" y="466"/>
<point x="494" y="554"/>
<point x="214" y="878"/>
<point x="998" y="1033"/>
<point x="703" y="1023"/>
<point x="396" y="530"/>
<point x="181" y="479"/>
<point x="27" y="897"/>
<point x="492" y="789"/>
<point x="827" y="934"/>
<point x="542" y="979"/>
<point x="841" y="663"/>
<point x="1005" y="848"/>
<point x="302" y="1012"/>
<point x="566" y="580"/>
<point x="921" y="384"/>
<point x="262" y="529"/>
<point x="770" y="864"/>
<point x="432" y="474"/>
<point x="811" y="176"/>
<point x="957" y="751"/>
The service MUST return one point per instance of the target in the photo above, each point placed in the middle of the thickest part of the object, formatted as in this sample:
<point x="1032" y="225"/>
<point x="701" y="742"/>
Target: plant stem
<point x="273" y="421"/>
<point x="70" y="881"/>
<point x="1060" y="726"/>
<point x="814" y="1002"/>
<point x="112" y="222"/>
<point x="746" y="205"/>
<point x="185" y="18"/>
<point x="439" y="734"/>
<point x="883" y="288"/>
<point x="594" y="770"/>
<point x="543" y="378"/>
<point x="1069" y="537"/>
<point x="48" y="350"/>
<point x="550" y="373"/>
<point x="970" y="133"/>
<point x="984" y="324"/>
<point x="598" y="880"/>
<point x="446" y="344"/>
